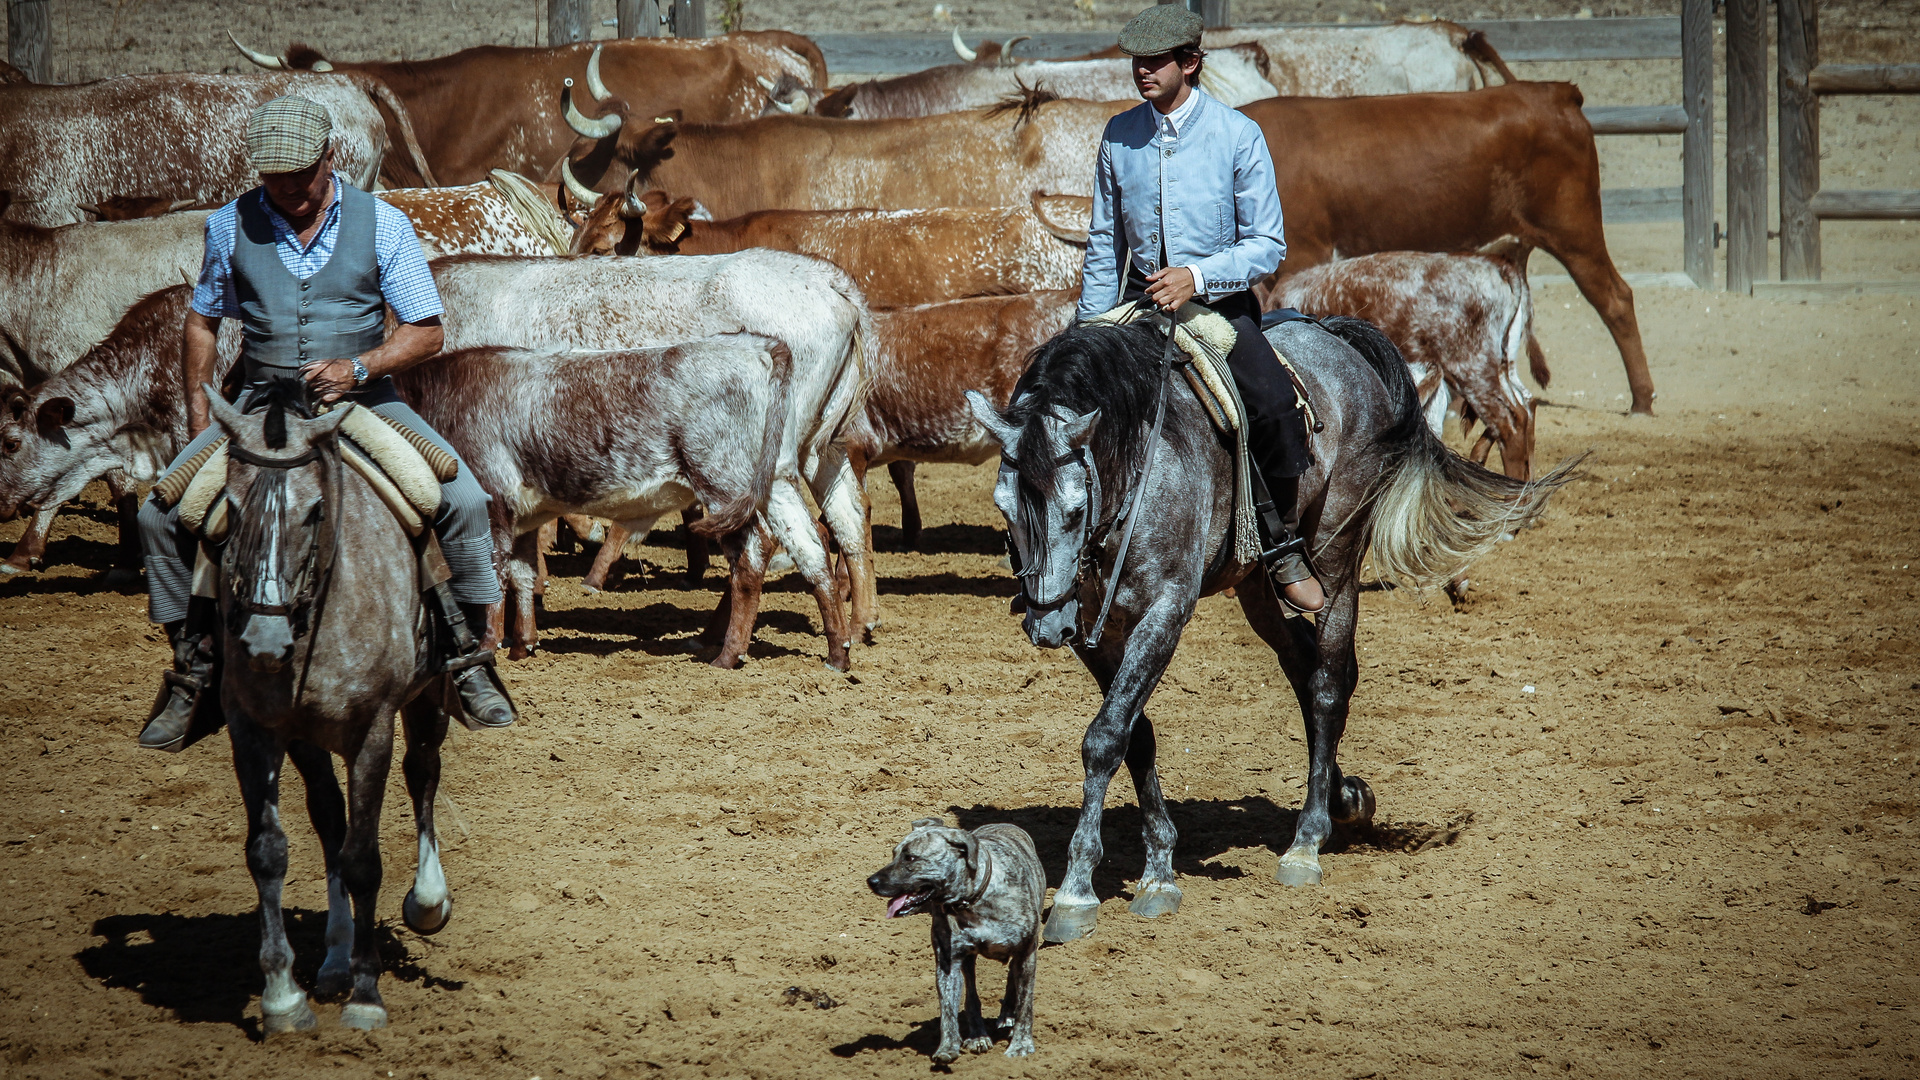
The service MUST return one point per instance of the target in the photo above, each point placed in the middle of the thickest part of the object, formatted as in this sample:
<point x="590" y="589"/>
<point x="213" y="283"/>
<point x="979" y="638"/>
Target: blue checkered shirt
<point x="404" y="278"/>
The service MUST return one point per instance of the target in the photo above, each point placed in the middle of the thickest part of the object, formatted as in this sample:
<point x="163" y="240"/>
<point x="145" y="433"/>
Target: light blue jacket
<point x="1212" y="194"/>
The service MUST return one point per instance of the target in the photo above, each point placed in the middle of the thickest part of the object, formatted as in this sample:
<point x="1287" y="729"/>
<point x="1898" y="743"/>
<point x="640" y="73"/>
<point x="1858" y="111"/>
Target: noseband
<point x="1084" y="553"/>
<point x="308" y="585"/>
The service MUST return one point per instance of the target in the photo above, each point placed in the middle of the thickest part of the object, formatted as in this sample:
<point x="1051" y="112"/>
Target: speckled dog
<point x="984" y="890"/>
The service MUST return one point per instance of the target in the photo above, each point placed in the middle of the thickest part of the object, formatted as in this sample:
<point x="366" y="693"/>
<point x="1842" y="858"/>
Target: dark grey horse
<point x="324" y="637"/>
<point x="1074" y="440"/>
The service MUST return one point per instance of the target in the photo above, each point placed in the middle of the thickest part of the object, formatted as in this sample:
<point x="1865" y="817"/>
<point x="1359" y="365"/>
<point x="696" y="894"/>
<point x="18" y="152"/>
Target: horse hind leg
<point x="428" y="906"/>
<point x="1157" y="894"/>
<point x="257" y="759"/>
<point x="328" y="812"/>
<point x="360" y="869"/>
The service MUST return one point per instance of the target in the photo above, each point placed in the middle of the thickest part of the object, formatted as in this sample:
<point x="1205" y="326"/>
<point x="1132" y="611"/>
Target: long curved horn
<point x="592" y="129"/>
<point x="961" y="47"/>
<point x="1006" y="51"/>
<point x="581" y="193"/>
<point x="260" y="59"/>
<point x="783" y="106"/>
<point x="594" y="86"/>
<point x="767" y="84"/>
<point x="631" y="207"/>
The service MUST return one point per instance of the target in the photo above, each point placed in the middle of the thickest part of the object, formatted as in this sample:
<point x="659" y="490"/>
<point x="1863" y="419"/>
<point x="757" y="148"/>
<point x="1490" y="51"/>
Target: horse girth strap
<point x="1168" y="355"/>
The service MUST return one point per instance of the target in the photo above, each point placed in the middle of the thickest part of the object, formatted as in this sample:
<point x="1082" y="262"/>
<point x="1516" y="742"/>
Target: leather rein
<point x="316" y="571"/>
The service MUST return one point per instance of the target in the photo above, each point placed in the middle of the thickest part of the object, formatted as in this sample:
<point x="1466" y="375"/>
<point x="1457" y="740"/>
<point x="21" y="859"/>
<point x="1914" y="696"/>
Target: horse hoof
<point x="1066" y="923"/>
<point x="363" y="1017"/>
<point x="426" y="921"/>
<point x="1298" y="870"/>
<point x="300" y="1018"/>
<point x="1153" y="901"/>
<point x="1356" y="802"/>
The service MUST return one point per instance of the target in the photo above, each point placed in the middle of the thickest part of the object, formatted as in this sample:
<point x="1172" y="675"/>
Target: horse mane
<point x="1111" y="369"/>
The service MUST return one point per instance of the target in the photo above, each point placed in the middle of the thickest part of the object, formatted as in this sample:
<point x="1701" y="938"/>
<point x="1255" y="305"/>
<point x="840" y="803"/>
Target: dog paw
<point x="979" y="1044"/>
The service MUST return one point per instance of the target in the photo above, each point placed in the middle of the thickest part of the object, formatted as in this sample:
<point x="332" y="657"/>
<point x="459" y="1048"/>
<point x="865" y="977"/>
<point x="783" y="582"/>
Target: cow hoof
<point x="426" y="921"/>
<point x="1356" y="802"/>
<point x="299" y="1018"/>
<point x="10" y="568"/>
<point x="1153" y="901"/>
<point x="590" y="590"/>
<point x="1298" y="869"/>
<point x="362" y="1017"/>
<point x="1071" y="923"/>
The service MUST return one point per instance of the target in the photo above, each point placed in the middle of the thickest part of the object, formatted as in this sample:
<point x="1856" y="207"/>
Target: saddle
<point x="1205" y="338"/>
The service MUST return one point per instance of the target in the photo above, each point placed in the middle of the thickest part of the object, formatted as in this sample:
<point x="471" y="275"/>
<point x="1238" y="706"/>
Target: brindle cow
<point x="1464" y="323"/>
<point x="899" y="257"/>
<point x="497" y="107"/>
<point x="171" y="138"/>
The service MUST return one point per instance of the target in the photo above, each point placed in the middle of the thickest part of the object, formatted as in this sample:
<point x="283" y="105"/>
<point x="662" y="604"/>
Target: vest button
<point x="305" y="285"/>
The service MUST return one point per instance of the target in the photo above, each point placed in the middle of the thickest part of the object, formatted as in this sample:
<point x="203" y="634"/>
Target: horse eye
<point x="318" y="514"/>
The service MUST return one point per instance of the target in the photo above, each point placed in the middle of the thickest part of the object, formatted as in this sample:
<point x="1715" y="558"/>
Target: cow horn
<point x="1006" y="51"/>
<point x="321" y="66"/>
<point x="581" y="193"/>
<point x="784" y="107"/>
<point x="631" y="207"/>
<point x="594" y="86"/>
<point x="592" y="129"/>
<point x="260" y="59"/>
<point x="961" y="47"/>
<point x="767" y="83"/>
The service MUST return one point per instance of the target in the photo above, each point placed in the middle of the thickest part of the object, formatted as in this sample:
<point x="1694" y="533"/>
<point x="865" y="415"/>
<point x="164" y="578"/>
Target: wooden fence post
<point x="30" y="38"/>
<point x="1215" y="12"/>
<point x="638" y="18"/>
<point x="1799" y="141"/>
<point x="689" y="18"/>
<point x="1746" y="144"/>
<point x="1696" y="147"/>
<point x="567" y="21"/>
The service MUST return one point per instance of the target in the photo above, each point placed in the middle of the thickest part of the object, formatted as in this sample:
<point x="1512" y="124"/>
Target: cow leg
<point x="698" y="550"/>
<point x="902" y="474"/>
<point x="611" y="546"/>
<point x="29" y="552"/>
<point x="746" y="551"/>
<point x="1483" y="445"/>
<point x="548" y="534"/>
<point x="1610" y="295"/>
<point x="841" y="504"/>
<point x="794" y="528"/>
<point x="590" y="530"/>
<point x="521" y="576"/>
<point x="126" y="506"/>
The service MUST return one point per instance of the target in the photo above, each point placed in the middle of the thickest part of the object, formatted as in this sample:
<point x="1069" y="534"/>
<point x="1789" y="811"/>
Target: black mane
<point x="1112" y="369"/>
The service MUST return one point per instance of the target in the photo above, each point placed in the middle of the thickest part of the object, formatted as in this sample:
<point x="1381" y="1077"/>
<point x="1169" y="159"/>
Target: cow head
<point x="40" y="445"/>
<point x="628" y="224"/>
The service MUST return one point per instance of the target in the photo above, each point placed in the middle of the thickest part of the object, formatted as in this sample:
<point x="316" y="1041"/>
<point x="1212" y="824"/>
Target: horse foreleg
<point x="1147" y="649"/>
<point x="257" y="759"/>
<point x="1157" y="894"/>
<point x="328" y="812"/>
<point x="367" y="768"/>
<point x="428" y="905"/>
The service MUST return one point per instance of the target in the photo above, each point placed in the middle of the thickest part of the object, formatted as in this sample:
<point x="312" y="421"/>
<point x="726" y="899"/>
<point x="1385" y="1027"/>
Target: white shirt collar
<point x="1177" y="119"/>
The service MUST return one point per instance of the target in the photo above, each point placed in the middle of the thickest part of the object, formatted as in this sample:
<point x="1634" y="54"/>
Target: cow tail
<point x="859" y="359"/>
<point x="1433" y="511"/>
<point x="721" y="520"/>
<point x="384" y="94"/>
<point x="1482" y="52"/>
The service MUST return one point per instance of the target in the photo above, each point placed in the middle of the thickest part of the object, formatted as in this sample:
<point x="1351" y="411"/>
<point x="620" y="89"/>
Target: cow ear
<point x="665" y="225"/>
<point x="1065" y="216"/>
<point x="54" y="414"/>
<point x="15" y="402"/>
<point x="642" y="149"/>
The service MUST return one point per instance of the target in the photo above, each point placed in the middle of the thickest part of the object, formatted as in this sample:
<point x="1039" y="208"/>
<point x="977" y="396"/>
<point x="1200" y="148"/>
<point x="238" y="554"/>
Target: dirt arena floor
<point x="1646" y="800"/>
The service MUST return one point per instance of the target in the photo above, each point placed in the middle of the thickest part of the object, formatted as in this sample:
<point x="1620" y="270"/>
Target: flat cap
<point x="1161" y="28"/>
<point x="287" y="134"/>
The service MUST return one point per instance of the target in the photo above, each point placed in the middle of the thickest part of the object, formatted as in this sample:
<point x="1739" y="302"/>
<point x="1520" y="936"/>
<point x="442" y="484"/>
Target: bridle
<point x="305" y="593"/>
<point x="1093" y="535"/>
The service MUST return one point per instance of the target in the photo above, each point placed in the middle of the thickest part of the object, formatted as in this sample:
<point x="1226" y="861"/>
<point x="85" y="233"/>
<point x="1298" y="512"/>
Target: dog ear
<point x="930" y="823"/>
<point x="970" y="844"/>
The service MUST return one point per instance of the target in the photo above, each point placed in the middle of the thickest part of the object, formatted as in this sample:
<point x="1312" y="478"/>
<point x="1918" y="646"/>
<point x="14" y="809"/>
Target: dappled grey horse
<point x="1099" y="403"/>
<point x="325" y="638"/>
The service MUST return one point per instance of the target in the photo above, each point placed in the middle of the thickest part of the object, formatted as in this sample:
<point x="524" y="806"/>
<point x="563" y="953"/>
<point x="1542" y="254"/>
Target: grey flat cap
<point x="287" y="134"/>
<point x="1161" y="29"/>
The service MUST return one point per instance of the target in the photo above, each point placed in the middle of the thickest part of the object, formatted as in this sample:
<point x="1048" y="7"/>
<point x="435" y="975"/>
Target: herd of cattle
<point x="878" y="248"/>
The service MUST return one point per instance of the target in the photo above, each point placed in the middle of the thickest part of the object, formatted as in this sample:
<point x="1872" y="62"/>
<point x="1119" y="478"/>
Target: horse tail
<point x="1434" y="512"/>
<point x="721" y="520"/>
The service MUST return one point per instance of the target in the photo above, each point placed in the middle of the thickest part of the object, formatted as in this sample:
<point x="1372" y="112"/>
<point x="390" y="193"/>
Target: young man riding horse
<point x="307" y="262"/>
<point x="1184" y="195"/>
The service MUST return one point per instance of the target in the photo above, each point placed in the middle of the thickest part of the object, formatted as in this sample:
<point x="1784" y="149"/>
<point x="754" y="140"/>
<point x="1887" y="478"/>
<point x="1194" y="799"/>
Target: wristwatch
<point x="359" y="373"/>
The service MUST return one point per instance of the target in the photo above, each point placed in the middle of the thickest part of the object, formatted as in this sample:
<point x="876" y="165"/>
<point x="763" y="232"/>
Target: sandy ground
<point x="1646" y="800"/>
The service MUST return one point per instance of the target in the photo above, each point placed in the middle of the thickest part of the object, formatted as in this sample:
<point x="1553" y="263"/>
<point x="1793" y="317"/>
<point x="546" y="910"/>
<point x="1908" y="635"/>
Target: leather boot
<point x="1286" y="562"/>
<point x="481" y="692"/>
<point x="192" y="674"/>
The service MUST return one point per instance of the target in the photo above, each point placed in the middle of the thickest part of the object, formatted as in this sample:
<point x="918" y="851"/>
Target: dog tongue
<point x="894" y="905"/>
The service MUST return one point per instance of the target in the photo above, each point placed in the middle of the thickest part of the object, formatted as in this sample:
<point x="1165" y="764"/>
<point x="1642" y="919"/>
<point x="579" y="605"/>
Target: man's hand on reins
<point x="328" y="380"/>
<point x="1171" y="286"/>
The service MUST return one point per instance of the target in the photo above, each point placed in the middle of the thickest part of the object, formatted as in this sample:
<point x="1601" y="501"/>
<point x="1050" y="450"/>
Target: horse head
<point x="1049" y="491"/>
<point x="283" y="470"/>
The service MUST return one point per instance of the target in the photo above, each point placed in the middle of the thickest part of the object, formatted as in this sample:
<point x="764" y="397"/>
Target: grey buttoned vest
<point x="336" y="314"/>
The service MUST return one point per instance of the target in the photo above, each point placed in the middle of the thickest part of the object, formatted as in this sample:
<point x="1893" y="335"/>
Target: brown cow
<point x="899" y="257"/>
<point x="497" y="107"/>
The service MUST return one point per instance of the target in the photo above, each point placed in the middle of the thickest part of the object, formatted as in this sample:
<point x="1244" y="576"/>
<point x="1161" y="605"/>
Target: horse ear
<point x="1003" y="433"/>
<point x="1080" y="428"/>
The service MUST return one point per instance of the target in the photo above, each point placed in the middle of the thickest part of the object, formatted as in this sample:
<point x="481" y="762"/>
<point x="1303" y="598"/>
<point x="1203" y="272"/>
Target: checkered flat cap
<point x="1161" y="29"/>
<point x="287" y="134"/>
